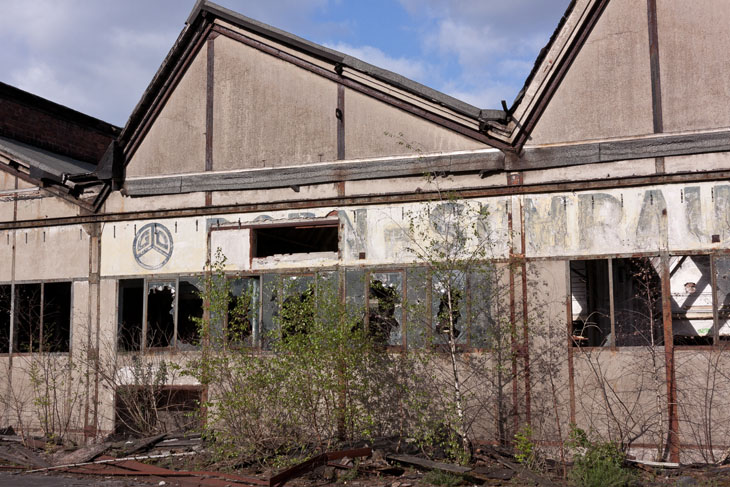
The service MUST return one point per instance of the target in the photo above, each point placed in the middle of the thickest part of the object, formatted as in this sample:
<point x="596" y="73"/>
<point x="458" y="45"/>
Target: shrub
<point x="599" y="464"/>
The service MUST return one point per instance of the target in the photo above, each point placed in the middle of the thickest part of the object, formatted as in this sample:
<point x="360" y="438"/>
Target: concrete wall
<point x="694" y="42"/>
<point x="607" y="91"/>
<point x="176" y="141"/>
<point x="268" y="112"/>
<point x="373" y="128"/>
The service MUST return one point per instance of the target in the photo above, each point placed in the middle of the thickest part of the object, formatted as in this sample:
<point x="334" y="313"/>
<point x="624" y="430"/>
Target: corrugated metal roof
<point x="43" y="160"/>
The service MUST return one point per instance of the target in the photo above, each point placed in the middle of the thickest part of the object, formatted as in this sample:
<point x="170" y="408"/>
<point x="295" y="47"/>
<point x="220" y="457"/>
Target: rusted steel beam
<point x="371" y="199"/>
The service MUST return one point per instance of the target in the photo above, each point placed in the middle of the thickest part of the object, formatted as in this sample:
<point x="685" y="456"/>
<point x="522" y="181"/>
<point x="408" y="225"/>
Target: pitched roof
<point x="203" y="16"/>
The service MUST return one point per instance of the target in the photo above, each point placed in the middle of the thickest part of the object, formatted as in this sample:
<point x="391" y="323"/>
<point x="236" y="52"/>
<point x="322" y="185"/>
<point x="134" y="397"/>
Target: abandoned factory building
<point x="608" y="172"/>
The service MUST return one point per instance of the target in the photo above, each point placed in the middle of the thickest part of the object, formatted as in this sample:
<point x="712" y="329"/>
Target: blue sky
<point x="98" y="56"/>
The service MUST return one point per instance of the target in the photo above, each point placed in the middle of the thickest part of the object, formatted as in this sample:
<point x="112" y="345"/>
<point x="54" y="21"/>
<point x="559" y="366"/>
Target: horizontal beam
<point x="395" y="198"/>
<point x="315" y="174"/>
<point x="620" y="150"/>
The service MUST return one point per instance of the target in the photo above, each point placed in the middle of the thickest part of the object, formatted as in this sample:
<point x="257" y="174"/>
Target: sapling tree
<point x="451" y="240"/>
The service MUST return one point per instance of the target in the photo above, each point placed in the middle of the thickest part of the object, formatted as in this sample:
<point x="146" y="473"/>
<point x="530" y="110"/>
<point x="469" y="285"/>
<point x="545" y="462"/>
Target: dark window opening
<point x="190" y="311"/>
<point x="385" y="312"/>
<point x="294" y="240"/>
<point x="590" y="303"/>
<point x="27" y="328"/>
<point x="638" y="302"/>
<point x="160" y="314"/>
<point x="5" y="308"/>
<point x="56" y="316"/>
<point x="131" y="314"/>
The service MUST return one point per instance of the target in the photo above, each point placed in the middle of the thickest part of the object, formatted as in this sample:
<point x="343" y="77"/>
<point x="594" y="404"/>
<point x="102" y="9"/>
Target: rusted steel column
<point x="673" y="435"/>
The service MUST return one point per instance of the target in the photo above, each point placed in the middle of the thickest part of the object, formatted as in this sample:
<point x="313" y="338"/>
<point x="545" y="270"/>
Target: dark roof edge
<point x="146" y="101"/>
<point x="337" y="57"/>
<point x="53" y="108"/>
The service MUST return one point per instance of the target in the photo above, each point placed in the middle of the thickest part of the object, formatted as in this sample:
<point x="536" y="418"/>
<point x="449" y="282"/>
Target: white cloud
<point x="410" y="68"/>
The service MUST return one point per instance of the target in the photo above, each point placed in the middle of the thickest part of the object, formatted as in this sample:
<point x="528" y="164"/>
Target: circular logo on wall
<point x="152" y="246"/>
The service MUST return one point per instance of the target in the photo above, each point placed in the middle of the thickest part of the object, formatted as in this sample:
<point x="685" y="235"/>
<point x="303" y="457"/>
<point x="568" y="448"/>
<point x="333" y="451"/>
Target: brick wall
<point x="39" y="122"/>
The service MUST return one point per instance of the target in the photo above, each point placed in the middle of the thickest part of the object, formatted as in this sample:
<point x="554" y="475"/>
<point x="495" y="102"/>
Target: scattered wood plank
<point x="429" y="464"/>
<point x="83" y="455"/>
<point x="141" y="445"/>
<point x="519" y="469"/>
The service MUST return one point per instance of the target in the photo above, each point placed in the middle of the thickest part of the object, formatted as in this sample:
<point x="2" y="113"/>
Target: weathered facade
<point x="293" y="158"/>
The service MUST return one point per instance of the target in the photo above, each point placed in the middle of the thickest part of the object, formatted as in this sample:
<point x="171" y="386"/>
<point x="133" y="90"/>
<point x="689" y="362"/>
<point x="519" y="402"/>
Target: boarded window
<point x="294" y="239"/>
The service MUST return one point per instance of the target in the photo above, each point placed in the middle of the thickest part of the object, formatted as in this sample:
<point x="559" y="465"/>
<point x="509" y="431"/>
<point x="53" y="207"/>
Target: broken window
<point x="691" y="288"/>
<point x="242" y="318"/>
<point x="131" y="314"/>
<point x="294" y="239"/>
<point x="385" y="310"/>
<point x="5" y="309"/>
<point x="722" y="276"/>
<point x="637" y="295"/>
<point x="160" y="314"/>
<point x="616" y="302"/>
<point x="56" y="329"/>
<point x="189" y="313"/>
<point x="297" y="303"/>
<point x="419" y="283"/>
<point x="27" y="326"/>
<point x="483" y="300"/>
<point x="448" y="305"/>
<point x="590" y="303"/>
